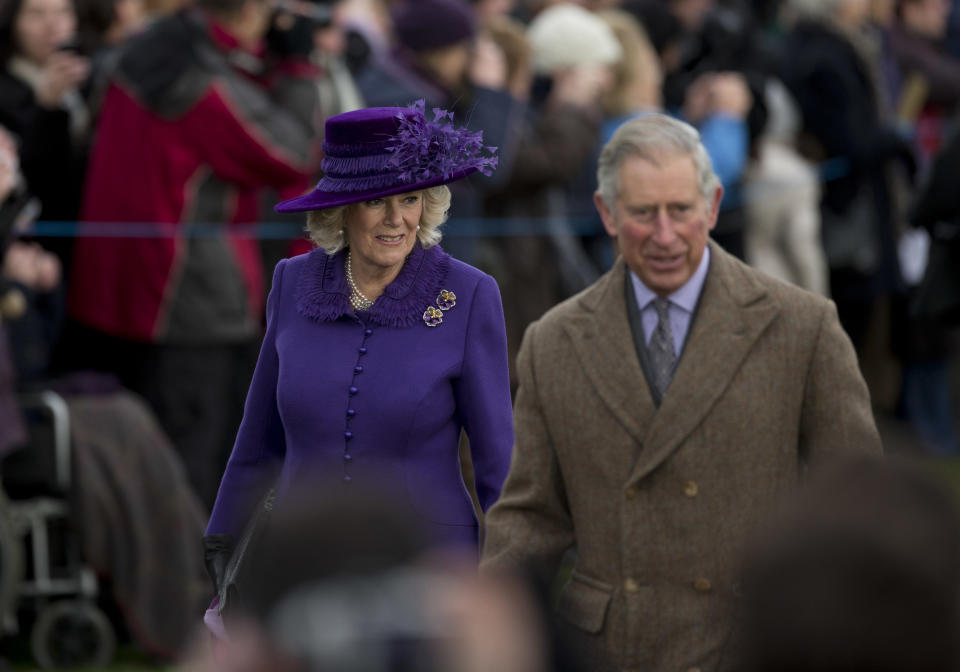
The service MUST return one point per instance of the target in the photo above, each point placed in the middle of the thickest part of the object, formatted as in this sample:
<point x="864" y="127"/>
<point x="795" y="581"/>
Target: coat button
<point x="702" y="585"/>
<point x="347" y="479"/>
<point x="690" y="489"/>
<point x="358" y="369"/>
<point x="348" y="435"/>
<point x="353" y="390"/>
<point x="347" y="457"/>
<point x="631" y="585"/>
<point x="351" y="412"/>
<point x="631" y="492"/>
<point x="368" y="332"/>
<point x="363" y="351"/>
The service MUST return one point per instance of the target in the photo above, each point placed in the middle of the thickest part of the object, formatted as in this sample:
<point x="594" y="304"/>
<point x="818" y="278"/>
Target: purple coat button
<point x="347" y="457"/>
<point x="363" y="351"/>
<point x="347" y="479"/>
<point x="351" y="412"/>
<point x="358" y="369"/>
<point x="353" y="390"/>
<point x="348" y="435"/>
<point x="368" y="331"/>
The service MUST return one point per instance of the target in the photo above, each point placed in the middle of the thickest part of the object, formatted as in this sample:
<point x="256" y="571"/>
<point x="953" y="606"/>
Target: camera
<point x="293" y="25"/>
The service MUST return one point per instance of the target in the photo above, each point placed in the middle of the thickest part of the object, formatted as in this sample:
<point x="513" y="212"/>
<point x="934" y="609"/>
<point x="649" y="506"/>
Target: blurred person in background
<point x="916" y="41"/>
<point x="438" y="55"/>
<point x="716" y="105"/>
<point x="145" y="556"/>
<point x="319" y="30"/>
<point x="557" y="142"/>
<point x="716" y="74"/>
<point x="782" y="201"/>
<point x="662" y="411"/>
<point x="41" y="104"/>
<point x="104" y="26"/>
<point x="930" y="78"/>
<point x="829" y="64"/>
<point x="11" y="205"/>
<point x="195" y="124"/>
<point x="928" y="399"/>
<point x="367" y="26"/>
<point x="414" y="347"/>
<point x="574" y="53"/>
<point x="860" y="572"/>
<point x="662" y="27"/>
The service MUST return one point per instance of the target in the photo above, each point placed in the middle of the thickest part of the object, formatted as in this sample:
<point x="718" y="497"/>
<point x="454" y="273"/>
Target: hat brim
<point x="319" y="199"/>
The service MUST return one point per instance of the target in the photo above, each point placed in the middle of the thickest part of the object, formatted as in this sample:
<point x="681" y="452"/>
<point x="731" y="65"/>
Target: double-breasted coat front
<point x="658" y="500"/>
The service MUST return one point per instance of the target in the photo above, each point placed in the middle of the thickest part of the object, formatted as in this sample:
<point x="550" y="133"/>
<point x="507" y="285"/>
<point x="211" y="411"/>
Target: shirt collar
<point x="686" y="297"/>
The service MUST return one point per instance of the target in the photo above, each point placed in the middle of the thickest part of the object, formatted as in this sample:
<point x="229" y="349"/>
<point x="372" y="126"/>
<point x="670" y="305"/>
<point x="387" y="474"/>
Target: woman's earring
<point x="340" y="233"/>
<point x="418" y="227"/>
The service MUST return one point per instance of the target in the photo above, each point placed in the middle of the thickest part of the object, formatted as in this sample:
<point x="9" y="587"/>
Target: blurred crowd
<point x="143" y="142"/>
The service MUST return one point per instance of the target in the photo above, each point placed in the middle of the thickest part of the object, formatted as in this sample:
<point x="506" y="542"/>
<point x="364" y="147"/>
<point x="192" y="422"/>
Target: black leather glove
<point x="217" y="549"/>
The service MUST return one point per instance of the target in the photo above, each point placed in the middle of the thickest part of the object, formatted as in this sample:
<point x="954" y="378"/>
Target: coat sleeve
<point x="726" y="140"/>
<point x="837" y="418"/>
<point x="483" y="392"/>
<point x="260" y="445"/>
<point x="530" y="525"/>
<point x="254" y="137"/>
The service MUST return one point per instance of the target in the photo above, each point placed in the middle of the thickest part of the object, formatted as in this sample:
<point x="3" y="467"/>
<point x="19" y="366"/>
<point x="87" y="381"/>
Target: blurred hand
<point x="65" y="71"/>
<point x="488" y="67"/>
<point x="31" y="266"/>
<point x="9" y="164"/>
<point x="581" y="86"/>
<point x="730" y="95"/>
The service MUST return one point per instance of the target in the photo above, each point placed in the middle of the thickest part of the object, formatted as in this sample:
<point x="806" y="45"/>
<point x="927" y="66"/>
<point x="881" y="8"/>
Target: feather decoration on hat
<point x="425" y="149"/>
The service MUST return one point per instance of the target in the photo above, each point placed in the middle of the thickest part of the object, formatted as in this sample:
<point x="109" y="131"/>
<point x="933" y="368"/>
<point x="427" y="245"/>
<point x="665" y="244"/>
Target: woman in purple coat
<point x="380" y="348"/>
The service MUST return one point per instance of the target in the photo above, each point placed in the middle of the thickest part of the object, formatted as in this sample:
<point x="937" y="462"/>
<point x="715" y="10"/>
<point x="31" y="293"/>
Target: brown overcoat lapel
<point x="733" y="313"/>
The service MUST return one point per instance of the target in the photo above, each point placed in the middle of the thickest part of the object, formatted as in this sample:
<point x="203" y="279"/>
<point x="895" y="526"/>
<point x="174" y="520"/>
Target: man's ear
<point x="714" y="207"/>
<point x="609" y="222"/>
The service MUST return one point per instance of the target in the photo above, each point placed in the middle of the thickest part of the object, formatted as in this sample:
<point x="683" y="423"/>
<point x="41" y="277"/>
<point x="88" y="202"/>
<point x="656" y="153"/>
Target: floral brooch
<point x="433" y="315"/>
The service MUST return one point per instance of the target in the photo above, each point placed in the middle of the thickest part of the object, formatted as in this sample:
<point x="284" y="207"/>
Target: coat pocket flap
<point x="583" y="602"/>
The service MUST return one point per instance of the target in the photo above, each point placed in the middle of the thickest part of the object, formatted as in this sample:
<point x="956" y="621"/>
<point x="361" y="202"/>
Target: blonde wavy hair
<point x="327" y="228"/>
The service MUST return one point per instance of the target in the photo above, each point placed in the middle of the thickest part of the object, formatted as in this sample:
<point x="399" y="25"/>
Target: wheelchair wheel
<point x="72" y="634"/>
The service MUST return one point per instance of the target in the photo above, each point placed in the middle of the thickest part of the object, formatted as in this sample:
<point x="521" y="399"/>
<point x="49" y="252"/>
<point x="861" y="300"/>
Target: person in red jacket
<point x="167" y="283"/>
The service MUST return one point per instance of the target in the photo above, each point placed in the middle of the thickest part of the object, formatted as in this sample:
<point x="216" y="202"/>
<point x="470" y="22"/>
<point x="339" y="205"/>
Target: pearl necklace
<point x="357" y="299"/>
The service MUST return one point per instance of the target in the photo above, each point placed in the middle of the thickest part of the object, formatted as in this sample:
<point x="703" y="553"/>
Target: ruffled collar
<point x="323" y="295"/>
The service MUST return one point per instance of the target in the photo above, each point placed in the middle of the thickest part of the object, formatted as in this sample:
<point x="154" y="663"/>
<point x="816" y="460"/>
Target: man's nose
<point x="663" y="232"/>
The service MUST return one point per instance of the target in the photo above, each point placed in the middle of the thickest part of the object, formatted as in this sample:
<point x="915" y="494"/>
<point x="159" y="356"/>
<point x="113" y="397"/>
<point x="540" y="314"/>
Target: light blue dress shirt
<point x="682" y="304"/>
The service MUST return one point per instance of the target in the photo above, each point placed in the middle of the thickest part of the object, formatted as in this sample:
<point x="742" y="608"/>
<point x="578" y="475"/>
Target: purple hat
<point x="381" y="151"/>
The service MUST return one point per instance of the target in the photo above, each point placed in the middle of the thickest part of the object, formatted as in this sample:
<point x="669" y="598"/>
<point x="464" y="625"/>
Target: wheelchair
<point x="44" y="586"/>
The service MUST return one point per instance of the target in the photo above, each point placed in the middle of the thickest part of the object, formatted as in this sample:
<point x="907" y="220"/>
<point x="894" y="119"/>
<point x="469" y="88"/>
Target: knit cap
<point x="566" y="35"/>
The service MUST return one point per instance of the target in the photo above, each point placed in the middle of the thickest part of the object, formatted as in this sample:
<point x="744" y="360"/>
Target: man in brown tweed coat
<point x="652" y="436"/>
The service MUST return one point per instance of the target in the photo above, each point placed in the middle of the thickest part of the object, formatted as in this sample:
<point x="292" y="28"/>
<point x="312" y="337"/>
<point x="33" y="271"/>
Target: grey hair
<point x="651" y="137"/>
<point x="327" y="228"/>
